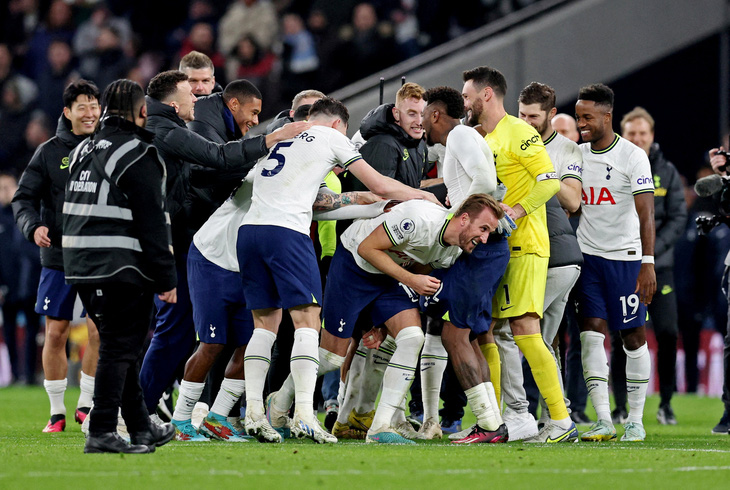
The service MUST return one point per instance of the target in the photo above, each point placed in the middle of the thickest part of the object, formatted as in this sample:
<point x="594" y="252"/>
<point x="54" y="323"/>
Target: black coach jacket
<point x="670" y="208"/>
<point x="39" y="198"/>
<point x="209" y="188"/>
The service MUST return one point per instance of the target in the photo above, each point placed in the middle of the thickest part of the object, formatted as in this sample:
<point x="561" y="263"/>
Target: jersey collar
<point x="443" y="230"/>
<point x="551" y="137"/>
<point x="616" y="137"/>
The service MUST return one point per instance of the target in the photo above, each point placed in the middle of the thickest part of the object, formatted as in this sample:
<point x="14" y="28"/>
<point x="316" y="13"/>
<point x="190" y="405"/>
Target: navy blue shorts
<point x="56" y="298"/>
<point x="351" y="291"/>
<point x="278" y="267"/>
<point x="219" y="310"/>
<point x="607" y="291"/>
<point x="467" y="287"/>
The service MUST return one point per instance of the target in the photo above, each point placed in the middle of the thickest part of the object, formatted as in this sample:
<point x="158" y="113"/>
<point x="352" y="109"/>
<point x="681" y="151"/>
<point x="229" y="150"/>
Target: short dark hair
<point x="476" y="203"/>
<point x="485" y="76"/>
<point x="302" y="112"/>
<point x="79" y="87"/>
<point x="538" y="93"/>
<point x="164" y="85"/>
<point x="450" y="98"/>
<point x="121" y="98"/>
<point x="599" y="93"/>
<point x="241" y="90"/>
<point x="330" y="107"/>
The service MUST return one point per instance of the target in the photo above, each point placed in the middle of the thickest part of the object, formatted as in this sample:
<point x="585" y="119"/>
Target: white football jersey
<point x="416" y="229"/>
<point x="216" y="239"/>
<point x="566" y="156"/>
<point x="468" y="165"/>
<point x="609" y="223"/>
<point x="286" y="180"/>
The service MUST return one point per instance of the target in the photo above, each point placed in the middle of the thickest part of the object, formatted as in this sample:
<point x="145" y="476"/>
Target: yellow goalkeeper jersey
<point x="520" y="157"/>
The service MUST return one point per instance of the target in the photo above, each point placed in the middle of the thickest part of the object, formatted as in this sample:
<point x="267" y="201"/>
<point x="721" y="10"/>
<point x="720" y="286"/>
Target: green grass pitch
<point x="685" y="456"/>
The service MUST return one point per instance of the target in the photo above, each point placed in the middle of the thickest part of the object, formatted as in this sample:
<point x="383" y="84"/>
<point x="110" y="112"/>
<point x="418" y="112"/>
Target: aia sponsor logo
<point x="596" y="196"/>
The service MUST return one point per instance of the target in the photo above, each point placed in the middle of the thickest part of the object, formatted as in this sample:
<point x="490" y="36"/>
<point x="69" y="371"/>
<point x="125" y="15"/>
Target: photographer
<point x="719" y="162"/>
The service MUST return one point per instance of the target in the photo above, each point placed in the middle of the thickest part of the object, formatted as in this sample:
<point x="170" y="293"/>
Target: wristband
<point x="647" y="259"/>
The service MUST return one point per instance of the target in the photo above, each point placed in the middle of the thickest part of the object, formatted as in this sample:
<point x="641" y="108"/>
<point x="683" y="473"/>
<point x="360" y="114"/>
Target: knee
<point x="413" y="336"/>
<point x="57" y="333"/>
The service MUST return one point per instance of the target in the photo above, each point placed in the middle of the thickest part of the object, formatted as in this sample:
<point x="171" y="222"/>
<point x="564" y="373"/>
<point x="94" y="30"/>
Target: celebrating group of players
<point x="495" y="267"/>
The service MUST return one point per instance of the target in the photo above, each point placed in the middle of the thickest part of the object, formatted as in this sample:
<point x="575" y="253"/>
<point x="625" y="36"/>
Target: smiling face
<point x="473" y="103"/>
<point x="594" y="121"/>
<point x="246" y="115"/>
<point x="533" y="115"/>
<point x="639" y="132"/>
<point x="408" y="115"/>
<point x="477" y="230"/>
<point x="83" y="114"/>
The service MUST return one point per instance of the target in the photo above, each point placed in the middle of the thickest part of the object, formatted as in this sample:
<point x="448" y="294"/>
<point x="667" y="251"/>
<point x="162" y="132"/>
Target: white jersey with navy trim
<point x="415" y="229"/>
<point x="609" y="223"/>
<point x="566" y="156"/>
<point x="286" y="180"/>
<point x="468" y="165"/>
<point x="216" y="239"/>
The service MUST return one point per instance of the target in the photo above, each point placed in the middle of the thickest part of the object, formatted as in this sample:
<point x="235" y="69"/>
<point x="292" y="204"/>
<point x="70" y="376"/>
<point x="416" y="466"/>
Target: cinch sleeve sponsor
<point x="640" y="171"/>
<point x="573" y="166"/>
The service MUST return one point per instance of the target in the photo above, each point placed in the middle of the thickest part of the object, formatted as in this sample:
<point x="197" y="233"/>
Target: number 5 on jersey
<point x="275" y="155"/>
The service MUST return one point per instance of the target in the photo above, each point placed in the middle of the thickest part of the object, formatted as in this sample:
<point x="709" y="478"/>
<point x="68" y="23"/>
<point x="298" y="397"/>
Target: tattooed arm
<point x="328" y="201"/>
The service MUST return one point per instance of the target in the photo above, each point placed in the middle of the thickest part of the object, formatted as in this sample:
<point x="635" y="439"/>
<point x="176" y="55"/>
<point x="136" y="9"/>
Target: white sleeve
<point x="642" y="179"/>
<point x="477" y="161"/>
<point x="572" y="164"/>
<point x="344" y="150"/>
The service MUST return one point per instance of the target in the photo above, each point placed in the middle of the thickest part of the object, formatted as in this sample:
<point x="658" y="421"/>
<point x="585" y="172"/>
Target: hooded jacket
<point x="670" y="208"/>
<point x="39" y="198"/>
<point x="209" y="188"/>
<point x="389" y="150"/>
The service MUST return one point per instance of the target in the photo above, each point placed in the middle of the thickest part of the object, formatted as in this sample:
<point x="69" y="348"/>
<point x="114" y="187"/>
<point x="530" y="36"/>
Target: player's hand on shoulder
<point x="290" y="130"/>
<point x="40" y="236"/>
<point x="646" y="283"/>
<point x="424" y="285"/>
<point x="169" y="296"/>
<point x="428" y="196"/>
<point x="368" y="198"/>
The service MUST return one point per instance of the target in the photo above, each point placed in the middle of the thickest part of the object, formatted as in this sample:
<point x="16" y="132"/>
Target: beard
<point x="475" y="113"/>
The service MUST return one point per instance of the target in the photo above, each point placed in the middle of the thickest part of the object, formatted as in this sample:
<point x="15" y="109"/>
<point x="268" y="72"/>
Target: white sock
<point x="481" y="407"/>
<point x="256" y="362"/>
<point x="231" y="390"/>
<point x="55" y="389"/>
<point x="341" y="392"/>
<point x="595" y="372"/>
<point x="433" y="364"/>
<point x="86" y="397"/>
<point x="638" y="369"/>
<point x="186" y="399"/>
<point x="353" y="384"/>
<point x="399" y="375"/>
<point x="375" y="367"/>
<point x="493" y="401"/>
<point x="304" y="365"/>
<point x="399" y="417"/>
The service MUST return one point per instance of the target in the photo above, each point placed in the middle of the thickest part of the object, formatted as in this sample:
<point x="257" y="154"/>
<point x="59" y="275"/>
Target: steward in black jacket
<point x="389" y="150"/>
<point x="114" y="227"/>
<point x="670" y="208"/>
<point x="180" y="147"/>
<point x="39" y="199"/>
